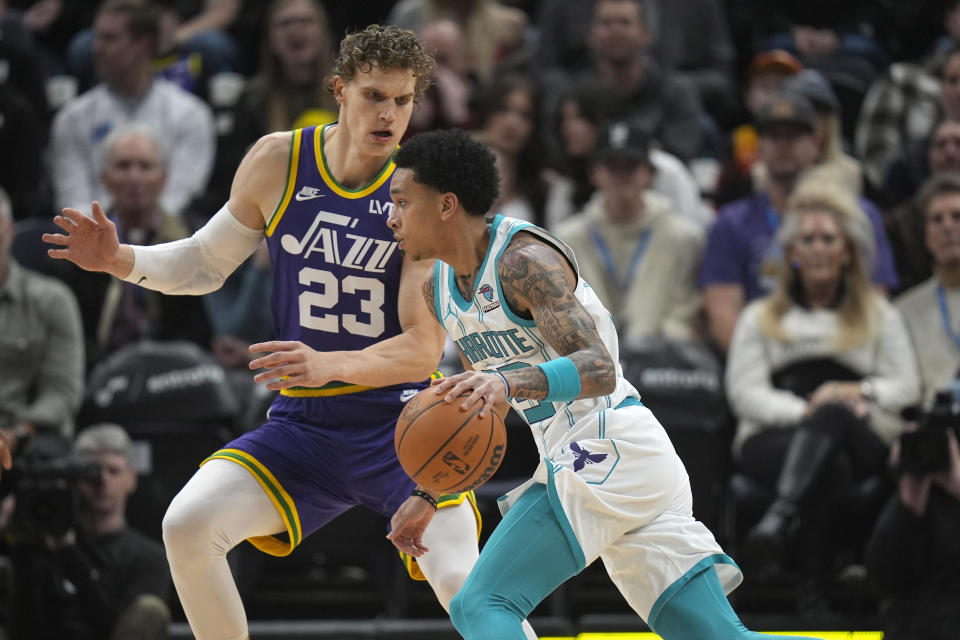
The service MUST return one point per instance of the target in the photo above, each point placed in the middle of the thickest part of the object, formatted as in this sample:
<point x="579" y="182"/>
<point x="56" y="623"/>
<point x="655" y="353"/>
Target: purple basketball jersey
<point x="336" y="268"/>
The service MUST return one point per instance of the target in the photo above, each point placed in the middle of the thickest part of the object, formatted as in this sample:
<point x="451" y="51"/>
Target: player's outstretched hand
<point x="89" y="243"/>
<point x="408" y="524"/>
<point x="292" y="364"/>
<point x="486" y="388"/>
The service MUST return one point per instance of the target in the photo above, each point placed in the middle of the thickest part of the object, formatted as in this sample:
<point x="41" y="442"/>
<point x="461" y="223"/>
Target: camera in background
<point x="926" y="450"/>
<point x="47" y="496"/>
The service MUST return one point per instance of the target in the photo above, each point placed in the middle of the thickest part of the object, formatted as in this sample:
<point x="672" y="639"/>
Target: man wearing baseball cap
<point x="636" y="251"/>
<point x="787" y="111"/>
<point x="765" y="77"/>
<point x="832" y="161"/>
<point x="740" y="256"/>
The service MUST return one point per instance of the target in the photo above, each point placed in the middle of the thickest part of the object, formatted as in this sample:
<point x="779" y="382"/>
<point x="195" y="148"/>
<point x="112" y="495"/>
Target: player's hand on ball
<point x="485" y="388"/>
<point x="291" y="363"/>
<point x="408" y="524"/>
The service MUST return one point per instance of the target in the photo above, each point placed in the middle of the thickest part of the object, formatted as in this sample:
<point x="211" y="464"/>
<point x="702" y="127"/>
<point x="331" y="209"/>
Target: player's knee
<point x="478" y="614"/>
<point x="184" y="526"/>
<point x="174" y="527"/>
<point x="447" y="585"/>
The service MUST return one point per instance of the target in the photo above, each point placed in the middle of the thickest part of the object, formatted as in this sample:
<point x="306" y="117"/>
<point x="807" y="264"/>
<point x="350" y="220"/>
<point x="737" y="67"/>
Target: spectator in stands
<point x="817" y="374"/>
<point x="493" y="30"/>
<point x="25" y="69"/>
<point x="289" y="90"/>
<point x="905" y="222"/>
<point x="815" y="30"/>
<point x="563" y="46"/>
<point x="692" y="38"/>
<point x="832" y="163"/>
<point x="906" y="29"/>
<point x="125" y="38"/>
<point x="508" y="115"/>
<point x="937" y="154"/>
<point x="689" y="37"/>
<point x="634" y="250"/>
<point x="901" y="109"/>
<point x="118" y="313"/>
<point x="914" y="553"/>
<point x="193" y="44"/>
<point x="22" y="173"/>
<point x="660" y="101"/>
<point x="586" y="107"/>
<point x="46" y="26"/>
<point x="951" y="24"/>
<point x="765" y="77"/>
<point x="944" y="152"/>
<point x="98" y="578"/>
<point x="41" y="351"/>
<point x="446" y="104"/>
<point x="287" y="93"/>
<point x="740" y="258"/>
<point x="931" y="309"/>
<point x="24" y="116"/>
<point x="186" y="28"/>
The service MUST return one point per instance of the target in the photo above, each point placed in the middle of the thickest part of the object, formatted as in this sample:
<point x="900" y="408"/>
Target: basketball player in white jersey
<point x="353" y="339"/>
<point x="530" y="331"/>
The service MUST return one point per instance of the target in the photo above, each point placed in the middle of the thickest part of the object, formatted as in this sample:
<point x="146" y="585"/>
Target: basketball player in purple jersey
<point x="355" y="341"/>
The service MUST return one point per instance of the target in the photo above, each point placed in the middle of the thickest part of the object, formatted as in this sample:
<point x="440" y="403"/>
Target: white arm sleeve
<point x="198" y="264"/>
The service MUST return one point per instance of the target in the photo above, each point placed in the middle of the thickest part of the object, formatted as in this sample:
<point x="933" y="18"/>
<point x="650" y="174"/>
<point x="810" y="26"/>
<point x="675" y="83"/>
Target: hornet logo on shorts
<point x="584" y="457"/>
<point x="487" y="292"/>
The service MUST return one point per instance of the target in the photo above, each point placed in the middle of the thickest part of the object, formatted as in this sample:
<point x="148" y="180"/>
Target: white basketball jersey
<point x="492" y="336"/>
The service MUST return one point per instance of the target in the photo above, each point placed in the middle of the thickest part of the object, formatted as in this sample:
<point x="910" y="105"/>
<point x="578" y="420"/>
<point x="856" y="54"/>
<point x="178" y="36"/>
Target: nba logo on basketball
<point x="487" y="292"/>
<point x="455" y="463"/>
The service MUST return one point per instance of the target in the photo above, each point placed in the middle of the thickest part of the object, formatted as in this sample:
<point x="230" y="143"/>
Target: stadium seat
<point x="174" y="400"/>
<point x="682" y="383"/>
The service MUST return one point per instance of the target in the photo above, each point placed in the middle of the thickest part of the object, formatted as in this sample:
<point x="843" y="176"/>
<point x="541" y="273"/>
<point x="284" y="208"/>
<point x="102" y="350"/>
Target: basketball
<point x="446" y="449"/>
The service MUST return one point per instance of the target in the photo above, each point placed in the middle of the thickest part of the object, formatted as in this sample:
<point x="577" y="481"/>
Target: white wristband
<point x="506" y="385"/>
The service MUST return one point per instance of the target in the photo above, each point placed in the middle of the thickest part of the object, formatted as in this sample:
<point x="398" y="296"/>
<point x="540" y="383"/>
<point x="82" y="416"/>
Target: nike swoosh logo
<point x="406" y="394"/>
<point x="300" y="197"/>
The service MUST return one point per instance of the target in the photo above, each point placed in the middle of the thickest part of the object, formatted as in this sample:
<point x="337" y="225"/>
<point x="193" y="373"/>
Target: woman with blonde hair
<point x="817" y="374"/>
<point x="297" y="60"/>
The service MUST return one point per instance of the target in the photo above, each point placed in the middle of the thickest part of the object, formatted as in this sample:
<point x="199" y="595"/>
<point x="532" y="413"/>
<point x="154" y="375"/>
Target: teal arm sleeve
<point x="563" y="380"/>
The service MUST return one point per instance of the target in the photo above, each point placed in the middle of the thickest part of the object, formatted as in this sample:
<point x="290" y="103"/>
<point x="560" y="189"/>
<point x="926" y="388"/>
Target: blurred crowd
<point x="774" y="182"/>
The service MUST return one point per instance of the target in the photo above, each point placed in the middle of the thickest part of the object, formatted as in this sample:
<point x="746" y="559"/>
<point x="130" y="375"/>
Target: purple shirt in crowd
<point x="740" y="248"/>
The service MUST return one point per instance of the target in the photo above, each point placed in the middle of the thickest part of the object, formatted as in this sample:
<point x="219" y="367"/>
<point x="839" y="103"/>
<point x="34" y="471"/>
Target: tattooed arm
<point x="539" y="283"/>
<point x="428" y="294"/>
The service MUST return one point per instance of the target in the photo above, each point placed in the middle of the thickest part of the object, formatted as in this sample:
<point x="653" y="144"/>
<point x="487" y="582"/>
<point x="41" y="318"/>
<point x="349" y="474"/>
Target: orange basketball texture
<point x="446" y="449"/>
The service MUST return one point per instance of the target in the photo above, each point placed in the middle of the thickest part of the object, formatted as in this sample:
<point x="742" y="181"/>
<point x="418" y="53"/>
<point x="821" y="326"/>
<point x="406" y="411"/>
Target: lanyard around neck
<point x="945" y="316"/>
<point x="604" y="252"/>
<point x="773" y="219"/>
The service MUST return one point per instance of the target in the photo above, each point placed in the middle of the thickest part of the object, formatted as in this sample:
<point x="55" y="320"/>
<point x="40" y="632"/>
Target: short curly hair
<point x="450" y="161"/>
<point x="388" y="47"/>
